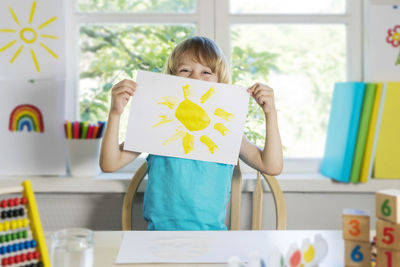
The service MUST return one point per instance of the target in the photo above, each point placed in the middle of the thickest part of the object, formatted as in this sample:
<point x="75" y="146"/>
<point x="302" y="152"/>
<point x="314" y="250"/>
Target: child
<point x="184" y="194"/>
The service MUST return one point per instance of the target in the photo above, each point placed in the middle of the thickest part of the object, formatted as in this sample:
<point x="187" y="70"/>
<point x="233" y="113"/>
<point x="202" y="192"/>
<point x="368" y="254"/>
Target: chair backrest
<point x="236" y="193"/>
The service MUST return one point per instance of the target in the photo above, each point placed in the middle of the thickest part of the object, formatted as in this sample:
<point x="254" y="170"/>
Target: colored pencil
<point x="89" y="131"/>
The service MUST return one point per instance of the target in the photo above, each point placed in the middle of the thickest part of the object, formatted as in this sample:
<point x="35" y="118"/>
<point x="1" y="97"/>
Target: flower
<point x="394" y="36"/>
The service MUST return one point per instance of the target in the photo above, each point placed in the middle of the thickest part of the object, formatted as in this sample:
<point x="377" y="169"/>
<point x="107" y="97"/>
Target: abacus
<point x="22" y="242"/>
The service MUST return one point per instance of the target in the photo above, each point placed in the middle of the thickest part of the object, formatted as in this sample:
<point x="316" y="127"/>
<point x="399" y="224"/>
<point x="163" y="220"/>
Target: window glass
<point x="288" y="6"/>
<point x="301" y="63"/>
<point x="110" y="53"/>
<point x="146" y="6"/>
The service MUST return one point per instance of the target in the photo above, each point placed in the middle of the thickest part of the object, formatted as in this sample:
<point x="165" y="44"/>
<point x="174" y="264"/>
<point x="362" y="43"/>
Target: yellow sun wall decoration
<point x="24" y="36"/>
<point x="187" y="118"/>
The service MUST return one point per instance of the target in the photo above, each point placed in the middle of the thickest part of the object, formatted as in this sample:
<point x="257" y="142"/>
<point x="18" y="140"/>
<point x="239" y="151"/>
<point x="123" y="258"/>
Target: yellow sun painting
<point x="28" y="36"/>
<point x="193" y="118"/>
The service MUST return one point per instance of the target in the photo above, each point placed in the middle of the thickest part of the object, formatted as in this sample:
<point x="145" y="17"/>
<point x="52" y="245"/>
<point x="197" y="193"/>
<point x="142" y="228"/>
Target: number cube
<point x="355" y="225"/>
<point x="387" y="235"/>
<point x="357" y="254"/>
<point x="387" y="205"/>
<point x="388" y="257"/>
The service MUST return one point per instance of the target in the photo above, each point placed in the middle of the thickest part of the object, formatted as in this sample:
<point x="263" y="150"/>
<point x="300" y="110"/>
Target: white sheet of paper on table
<point x="219" y="246"/>
<point x="162" y="117"/>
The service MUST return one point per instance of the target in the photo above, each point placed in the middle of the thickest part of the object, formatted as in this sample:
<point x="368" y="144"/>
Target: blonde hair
<point x="205" y="51"/>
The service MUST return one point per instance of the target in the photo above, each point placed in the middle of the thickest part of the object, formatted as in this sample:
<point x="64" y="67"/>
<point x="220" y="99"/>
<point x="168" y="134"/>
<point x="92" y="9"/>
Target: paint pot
<point x="83" y="157"/>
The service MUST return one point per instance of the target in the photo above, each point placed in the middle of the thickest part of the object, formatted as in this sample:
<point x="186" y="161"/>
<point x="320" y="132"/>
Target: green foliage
<point x="248" y="68"/>
<point x="164" y="6"/>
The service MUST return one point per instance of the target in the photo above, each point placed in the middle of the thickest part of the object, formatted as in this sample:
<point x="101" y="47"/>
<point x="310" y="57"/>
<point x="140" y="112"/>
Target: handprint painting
<point x="186" y="118"/>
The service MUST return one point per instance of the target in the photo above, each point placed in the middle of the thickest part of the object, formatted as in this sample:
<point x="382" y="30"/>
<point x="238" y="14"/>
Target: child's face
<point x="194" y="70"/>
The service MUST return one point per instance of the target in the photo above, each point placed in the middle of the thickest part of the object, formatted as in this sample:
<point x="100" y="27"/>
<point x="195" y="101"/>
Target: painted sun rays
<point x="28" y="35"/>
<point x="192" y="118"/>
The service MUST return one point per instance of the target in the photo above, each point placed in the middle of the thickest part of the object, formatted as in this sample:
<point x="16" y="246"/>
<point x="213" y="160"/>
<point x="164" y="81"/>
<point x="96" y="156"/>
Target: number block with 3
<point x="387" y="205"/>
<point x="387" y="235"/>
<point x="356" y="225"/>
<point x="357" y="254"/>
<point x="388" y="257"/>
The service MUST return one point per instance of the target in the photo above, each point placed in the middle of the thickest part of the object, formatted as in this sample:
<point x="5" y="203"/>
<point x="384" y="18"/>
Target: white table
<point x="107" y="245"/>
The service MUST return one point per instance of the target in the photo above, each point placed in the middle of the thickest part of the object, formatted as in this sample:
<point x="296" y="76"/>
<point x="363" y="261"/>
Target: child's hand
<point x="120" y="94"/>
<point x="264" y="96"/>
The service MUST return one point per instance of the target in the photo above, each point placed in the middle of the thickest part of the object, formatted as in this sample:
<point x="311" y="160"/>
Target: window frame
<point x="213" y="19"/>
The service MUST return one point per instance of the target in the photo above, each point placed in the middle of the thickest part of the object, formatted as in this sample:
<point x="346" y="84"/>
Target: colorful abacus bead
<point x="24" y="200"/>
<point x="10" y="202"/>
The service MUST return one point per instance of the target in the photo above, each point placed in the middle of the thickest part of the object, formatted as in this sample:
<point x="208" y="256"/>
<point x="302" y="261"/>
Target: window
<point x="300" y="48"/>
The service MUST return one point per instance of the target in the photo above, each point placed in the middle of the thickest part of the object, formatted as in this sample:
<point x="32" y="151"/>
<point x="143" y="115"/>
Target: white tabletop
<point x="107" y="245"/>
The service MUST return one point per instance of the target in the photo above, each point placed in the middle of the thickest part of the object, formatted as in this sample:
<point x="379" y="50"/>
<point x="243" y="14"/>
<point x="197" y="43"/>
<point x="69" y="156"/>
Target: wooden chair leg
<point x="258" y="196"/>
<point x="236" y="198"/>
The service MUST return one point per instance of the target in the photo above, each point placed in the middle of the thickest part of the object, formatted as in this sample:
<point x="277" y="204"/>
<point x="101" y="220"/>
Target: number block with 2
<point x="356" y="225"/>
<point x="387" y="205"/>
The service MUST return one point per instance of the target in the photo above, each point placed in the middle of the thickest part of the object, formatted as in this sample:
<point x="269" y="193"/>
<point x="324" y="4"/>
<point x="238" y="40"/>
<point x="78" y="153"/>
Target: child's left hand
<point x="264" y="96"/>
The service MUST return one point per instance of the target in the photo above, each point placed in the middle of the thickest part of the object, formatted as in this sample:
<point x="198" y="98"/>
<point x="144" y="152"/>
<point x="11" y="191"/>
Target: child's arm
<point x="112" y="155"/>
<point x="270" y="159"/>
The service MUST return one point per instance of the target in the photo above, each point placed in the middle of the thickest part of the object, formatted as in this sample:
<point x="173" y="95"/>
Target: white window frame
<point x="213" y="19"/>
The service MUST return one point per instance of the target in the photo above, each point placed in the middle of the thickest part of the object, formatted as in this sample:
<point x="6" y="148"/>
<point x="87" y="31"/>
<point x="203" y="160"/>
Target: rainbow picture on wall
<point x="27" y="117"/>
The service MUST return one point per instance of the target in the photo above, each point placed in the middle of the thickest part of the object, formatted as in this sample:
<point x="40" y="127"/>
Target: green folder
<point x="366" y="112"/>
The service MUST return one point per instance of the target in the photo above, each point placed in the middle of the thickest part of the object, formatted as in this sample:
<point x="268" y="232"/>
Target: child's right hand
<point x="120" y="95"/>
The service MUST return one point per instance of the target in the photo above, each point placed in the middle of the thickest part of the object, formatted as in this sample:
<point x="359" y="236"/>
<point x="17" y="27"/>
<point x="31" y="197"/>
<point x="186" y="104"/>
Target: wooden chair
<point x="236" y="193"/>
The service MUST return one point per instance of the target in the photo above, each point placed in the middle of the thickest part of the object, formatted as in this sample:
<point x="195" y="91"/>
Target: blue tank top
<point x="185" y="194"/>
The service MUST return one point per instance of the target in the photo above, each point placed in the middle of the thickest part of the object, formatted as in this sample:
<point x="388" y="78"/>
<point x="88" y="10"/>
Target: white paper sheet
<point x="381" y="55"/>
<point x="161" y="97"/>
<point x="219" y="246"/>
<point x="32" y="152"/>
<point x="32" y="43"/>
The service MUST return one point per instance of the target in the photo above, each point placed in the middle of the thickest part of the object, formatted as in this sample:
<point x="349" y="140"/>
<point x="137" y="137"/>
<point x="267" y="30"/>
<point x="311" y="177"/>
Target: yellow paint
<point x="49" y="50"/>
<point x="396" y="36"/>
<point x="164" y="119"/>
<point x="179" y="134"/>
<point x="223" y="114"/>
<point x="188" y="143"/>
<point x="16" y="54"/>
<point x="169" y="101"/>
<point x="47" y="23"/>
<point x="32" y="12"/>
<point x="35" y="60"/>
<point x="192" y="116"/>
<point x="207" y="95"/>
<point x="187" y="92"/>
<point x="212" y="147"/>
<point x="8" y="30"/>
<point x="49" y="36"/>
<point x="309" y="254"/>
<point x="221" y="128"/>
<point x="29" y="41"/>
<point x="8" y="45"/>
<point x="14" y="16"/>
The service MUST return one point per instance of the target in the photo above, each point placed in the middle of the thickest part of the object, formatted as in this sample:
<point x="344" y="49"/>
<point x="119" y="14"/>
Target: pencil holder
<point x="83" y="156"/>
